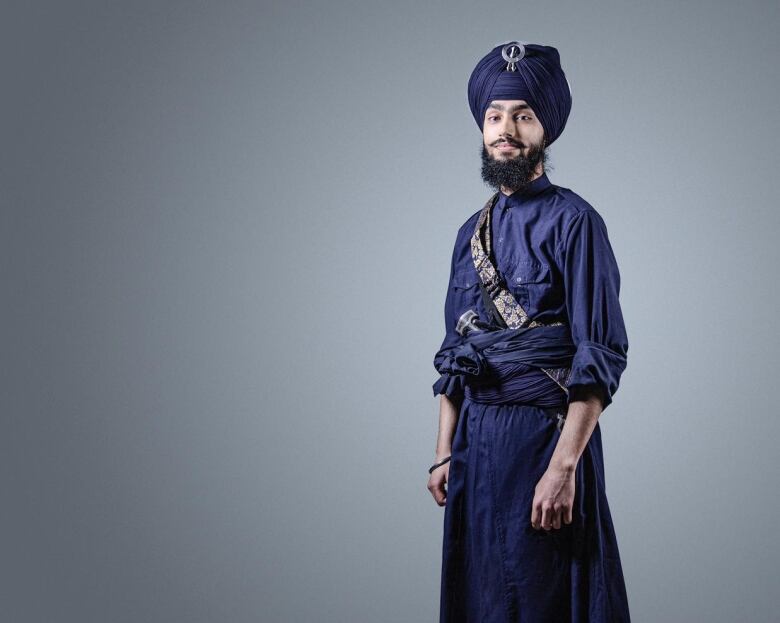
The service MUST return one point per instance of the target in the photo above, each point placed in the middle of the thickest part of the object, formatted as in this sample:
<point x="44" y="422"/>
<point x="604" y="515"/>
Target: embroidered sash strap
<point x="507" y="306"/>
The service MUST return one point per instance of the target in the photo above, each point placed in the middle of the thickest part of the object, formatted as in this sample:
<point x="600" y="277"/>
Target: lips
<point x="506" y="146"/>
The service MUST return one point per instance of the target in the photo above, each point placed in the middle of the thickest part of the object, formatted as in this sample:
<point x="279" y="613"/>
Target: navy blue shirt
<point x="553" y="251"/>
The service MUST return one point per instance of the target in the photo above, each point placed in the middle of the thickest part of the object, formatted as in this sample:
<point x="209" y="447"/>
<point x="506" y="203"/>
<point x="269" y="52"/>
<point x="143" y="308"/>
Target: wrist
<point x="565" y="464"/>
<point x="442" y="454"/>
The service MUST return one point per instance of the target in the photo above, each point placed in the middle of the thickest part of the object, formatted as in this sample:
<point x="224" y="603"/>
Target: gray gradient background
<point x="226" y="235"/>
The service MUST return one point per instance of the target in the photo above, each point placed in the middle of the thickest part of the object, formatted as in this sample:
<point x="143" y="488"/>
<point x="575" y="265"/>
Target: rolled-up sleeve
<point x="449" y="383"/>
<point x="592" y="285"/>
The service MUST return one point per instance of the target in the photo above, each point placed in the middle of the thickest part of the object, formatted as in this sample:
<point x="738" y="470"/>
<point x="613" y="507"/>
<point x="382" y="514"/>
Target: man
<point x="534" y="339"/>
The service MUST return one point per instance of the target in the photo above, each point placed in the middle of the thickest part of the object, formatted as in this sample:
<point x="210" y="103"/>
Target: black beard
<point x="512" y="173"/>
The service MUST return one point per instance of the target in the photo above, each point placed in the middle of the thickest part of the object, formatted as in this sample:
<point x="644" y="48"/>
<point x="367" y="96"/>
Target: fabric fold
<point x="596" y="364"/>
<point x="493" y="363"/>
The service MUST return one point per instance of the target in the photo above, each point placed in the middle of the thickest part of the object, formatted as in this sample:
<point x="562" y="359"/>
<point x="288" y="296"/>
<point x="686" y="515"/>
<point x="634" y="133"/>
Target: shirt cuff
<point x="595" y="365"/>
<point x="451" y="385"/>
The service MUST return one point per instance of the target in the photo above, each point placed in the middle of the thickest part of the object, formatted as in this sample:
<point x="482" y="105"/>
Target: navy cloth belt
<point x="488" y="366"/>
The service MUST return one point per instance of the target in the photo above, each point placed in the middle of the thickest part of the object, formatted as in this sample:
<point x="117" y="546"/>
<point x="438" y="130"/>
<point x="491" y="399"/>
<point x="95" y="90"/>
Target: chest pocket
<point x="464" y="279"/>
<point x="529" y="284"/>
<point x="465" y="293"/>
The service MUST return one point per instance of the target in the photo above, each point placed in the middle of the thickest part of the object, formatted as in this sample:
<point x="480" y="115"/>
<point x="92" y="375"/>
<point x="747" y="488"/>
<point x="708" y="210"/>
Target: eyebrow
<point x="514" y="108"/>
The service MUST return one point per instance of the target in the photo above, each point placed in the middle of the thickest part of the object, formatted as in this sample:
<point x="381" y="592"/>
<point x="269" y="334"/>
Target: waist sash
<point x="485" y="362"/>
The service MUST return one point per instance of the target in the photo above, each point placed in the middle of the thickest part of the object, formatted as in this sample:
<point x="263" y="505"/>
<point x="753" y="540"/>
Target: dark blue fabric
<point x="553" y="250"/>
<point x="496" y="568"/>
<point x="491" y="366"/>
<point x="539" y="80"/>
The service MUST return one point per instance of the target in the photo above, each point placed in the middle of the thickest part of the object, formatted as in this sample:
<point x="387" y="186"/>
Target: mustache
<point x="507" y="142"/>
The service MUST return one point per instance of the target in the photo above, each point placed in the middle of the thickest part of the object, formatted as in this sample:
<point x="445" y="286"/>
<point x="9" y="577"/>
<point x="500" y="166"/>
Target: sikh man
<point x="534" y="349"/>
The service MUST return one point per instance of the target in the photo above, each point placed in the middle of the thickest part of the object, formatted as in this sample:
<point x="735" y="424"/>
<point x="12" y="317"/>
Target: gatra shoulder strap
<point x="494" y="284"/>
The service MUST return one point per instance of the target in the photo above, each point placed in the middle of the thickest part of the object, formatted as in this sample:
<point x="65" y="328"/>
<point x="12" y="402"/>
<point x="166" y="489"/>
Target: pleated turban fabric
<point x="538" y="79"/>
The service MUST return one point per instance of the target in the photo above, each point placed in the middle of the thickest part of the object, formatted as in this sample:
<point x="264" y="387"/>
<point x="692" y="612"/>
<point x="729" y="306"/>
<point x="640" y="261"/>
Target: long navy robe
<point x="552" y="248"/>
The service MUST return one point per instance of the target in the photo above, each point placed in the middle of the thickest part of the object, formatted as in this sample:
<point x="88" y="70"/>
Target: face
<point x="513" y="149"/>
<point x="510" y="128"/>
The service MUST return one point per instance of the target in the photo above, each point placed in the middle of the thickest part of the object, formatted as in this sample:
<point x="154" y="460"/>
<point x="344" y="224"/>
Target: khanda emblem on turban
<point x="513" y="52"/>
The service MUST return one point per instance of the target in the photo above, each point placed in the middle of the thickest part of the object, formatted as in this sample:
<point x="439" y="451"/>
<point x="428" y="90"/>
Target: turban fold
<point x="538" y="79"/>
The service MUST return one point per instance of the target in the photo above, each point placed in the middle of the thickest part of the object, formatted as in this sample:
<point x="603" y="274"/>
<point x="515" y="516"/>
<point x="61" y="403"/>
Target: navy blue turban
<point x="538" y="79"/>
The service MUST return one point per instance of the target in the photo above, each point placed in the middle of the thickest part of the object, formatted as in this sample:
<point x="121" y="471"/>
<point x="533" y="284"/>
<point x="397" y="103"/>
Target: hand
<point x="553" y="499"/>
<point x="436" y="482"/>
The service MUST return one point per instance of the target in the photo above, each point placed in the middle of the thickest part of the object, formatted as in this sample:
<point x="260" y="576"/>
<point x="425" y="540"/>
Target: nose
<point x="509" y="126"/>
<point x="507" y="135"/>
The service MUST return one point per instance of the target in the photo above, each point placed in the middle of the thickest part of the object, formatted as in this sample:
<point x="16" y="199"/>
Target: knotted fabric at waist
<point x="504" y="366"/>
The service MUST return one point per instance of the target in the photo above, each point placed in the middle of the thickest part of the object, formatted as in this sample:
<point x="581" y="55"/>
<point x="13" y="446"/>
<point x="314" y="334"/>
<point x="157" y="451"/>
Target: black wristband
<point x="435" y="465"/>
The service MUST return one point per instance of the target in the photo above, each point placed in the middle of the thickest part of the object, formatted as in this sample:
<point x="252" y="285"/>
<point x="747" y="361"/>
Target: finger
<point x="440" y="494"/>
<point x="568" y="515"/>
<point x="536" y="515"/>
<point x="546" y="517"/>
<point x="434" y="488"/>
<point x="556" y="518"/>
<point x="443" y="487"/>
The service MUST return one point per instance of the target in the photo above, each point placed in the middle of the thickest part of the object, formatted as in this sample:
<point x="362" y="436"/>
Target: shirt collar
<point x="521" y="194"/>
